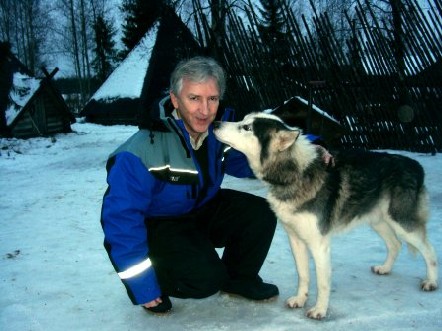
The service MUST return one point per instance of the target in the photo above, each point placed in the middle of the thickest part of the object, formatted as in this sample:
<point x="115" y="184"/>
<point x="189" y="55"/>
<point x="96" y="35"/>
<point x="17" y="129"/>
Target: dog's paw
<point x="380" y="270"/>
<point x="296" y="301"/>
<point x="428" y="285"/>
<point x="317" y="313"/>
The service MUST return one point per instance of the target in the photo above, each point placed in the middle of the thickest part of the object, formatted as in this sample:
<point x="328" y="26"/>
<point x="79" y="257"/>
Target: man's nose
<point x="205" y="106"/>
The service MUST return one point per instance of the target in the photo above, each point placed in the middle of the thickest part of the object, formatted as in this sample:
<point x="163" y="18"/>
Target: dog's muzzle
<point x="217" y="124"/>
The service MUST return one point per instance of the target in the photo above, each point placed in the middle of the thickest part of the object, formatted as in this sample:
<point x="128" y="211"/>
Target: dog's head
<point x="263" y="138"/>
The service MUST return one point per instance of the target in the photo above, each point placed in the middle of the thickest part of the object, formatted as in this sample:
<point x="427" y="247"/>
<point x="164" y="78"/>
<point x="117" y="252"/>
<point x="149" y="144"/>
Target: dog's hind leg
<point x="300" y="253"/>
<point x="393" y="247"/>
<point x="409" y="216"/>
<point x="419" y="241"/>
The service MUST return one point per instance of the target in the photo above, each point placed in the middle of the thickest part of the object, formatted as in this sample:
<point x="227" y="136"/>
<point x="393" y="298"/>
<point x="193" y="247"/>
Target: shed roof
<point x="18" y="91"/>
<point x="22" y="89"/>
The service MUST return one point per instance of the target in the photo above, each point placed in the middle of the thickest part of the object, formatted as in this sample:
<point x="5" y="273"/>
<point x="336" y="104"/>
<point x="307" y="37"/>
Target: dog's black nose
<point x="216" y="124"/>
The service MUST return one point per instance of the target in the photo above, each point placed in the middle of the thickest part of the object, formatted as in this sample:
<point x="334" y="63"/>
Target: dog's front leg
<point x="300" y="253"/>
<point x="321" y="254"/>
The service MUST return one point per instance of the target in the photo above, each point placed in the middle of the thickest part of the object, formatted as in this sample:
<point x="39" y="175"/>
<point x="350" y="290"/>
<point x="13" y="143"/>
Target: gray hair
<point x="197" y="69"/>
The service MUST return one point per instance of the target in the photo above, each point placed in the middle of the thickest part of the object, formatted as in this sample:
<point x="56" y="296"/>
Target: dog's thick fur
<point x="314" y="200"/>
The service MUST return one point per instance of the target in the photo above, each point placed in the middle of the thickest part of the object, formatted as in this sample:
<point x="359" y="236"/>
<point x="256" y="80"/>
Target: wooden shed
<point x="303" y="114"/>
<point x="30" y="106"/>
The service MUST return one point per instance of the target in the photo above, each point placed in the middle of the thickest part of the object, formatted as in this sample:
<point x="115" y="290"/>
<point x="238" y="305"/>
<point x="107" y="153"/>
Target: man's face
<point x="197" y="104"/>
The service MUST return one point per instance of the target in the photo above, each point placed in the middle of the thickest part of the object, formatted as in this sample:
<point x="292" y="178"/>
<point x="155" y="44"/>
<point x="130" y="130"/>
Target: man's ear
<point x="173" y="99"/>
<point x="286" y="139"/>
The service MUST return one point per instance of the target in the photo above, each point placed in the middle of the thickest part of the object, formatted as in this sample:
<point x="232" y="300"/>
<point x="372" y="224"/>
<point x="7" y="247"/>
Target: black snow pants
<point x="183" y="249"/>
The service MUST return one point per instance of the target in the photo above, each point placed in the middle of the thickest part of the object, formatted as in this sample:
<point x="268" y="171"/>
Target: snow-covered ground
<point x="55" y="274"/>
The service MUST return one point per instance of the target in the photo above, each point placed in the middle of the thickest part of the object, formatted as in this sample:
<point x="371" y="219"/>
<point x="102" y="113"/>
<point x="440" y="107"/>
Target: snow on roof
<point x="23" y="88"/>
<point x="314" y="107"/>
<point x="317" y="109"/>
<point x="126" y="81"/>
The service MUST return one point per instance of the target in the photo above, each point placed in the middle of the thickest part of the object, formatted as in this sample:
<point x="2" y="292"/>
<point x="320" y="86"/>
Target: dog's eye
<point x="247" y="127"/>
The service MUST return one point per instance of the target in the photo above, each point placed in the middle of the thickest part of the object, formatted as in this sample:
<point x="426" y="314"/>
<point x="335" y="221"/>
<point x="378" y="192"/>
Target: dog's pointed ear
<point x="287" y="138"/>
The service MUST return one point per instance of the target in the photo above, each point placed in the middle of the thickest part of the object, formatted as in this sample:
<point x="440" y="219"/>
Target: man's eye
<point x="247" y="127"/>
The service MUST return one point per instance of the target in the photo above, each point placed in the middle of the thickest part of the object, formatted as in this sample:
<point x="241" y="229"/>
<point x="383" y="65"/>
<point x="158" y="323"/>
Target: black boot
<point x="251" y="289"/>
<point x="162" y="308"/>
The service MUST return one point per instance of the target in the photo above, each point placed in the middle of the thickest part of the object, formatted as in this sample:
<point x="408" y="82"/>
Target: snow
<point x="55" y="273"/>
<point x="306" y="103"/>
<point x="126" y="81"/>
<point x="23" y="88"/>
<point x="318" y="110"/>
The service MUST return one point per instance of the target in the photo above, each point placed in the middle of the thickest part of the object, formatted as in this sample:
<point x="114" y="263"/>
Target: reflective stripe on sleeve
<point x="167" y="166"/>
<point x="135" y="270"/>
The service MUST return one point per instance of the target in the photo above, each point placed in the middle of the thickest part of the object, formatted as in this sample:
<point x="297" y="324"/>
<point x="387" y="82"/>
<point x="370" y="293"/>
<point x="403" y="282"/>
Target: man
<point x="164" y="211"/>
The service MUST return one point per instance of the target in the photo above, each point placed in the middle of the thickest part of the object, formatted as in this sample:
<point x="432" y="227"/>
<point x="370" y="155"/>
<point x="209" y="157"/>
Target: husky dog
<point x="314" y="201"/>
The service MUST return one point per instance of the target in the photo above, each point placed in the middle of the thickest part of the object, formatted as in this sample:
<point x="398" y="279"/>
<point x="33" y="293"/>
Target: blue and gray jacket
<point x="155" y="174"/>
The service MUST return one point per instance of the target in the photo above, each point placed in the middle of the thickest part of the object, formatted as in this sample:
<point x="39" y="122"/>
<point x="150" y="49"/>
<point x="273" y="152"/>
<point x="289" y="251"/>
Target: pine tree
<point x="274" y="37"/>
<point x="271" y="28"/>
<point x="105" y="54"/>
<point x="140" y="16"/>
<point x="272" y="23"/>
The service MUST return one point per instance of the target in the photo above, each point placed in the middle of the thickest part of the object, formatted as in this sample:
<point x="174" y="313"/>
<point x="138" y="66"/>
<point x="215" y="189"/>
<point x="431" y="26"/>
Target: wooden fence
<point x="383" y="85"/>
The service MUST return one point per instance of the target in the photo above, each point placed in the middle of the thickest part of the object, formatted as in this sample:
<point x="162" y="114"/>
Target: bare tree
<point x="74" y="34"/>
<point x="215" y="14"/>
<point x="85" y="47"/>
<point x="23" y="24"/>
<point x="6" y="19"/>
<point x="75" y="45"/>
